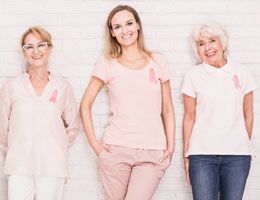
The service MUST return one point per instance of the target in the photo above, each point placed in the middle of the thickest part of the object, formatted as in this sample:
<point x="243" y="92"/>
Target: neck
<point x="38" y="73"/>
<point x="220" y="64"/>
<point x="131" y="52"/>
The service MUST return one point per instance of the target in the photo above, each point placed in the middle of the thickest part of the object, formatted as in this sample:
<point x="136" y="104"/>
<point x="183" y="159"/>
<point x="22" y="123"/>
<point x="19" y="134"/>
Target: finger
<point x="165" y="155"/>
<point x="107" y="148"/>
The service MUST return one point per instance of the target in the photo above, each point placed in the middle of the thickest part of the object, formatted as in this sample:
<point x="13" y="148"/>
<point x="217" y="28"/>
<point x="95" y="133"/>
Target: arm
<point x="248" y="113"/>
<point x="168" y="118"/>
<point x="93" y="88"/>
<point x="70" y="117"/>
<point x="5" y="111"/>
<point x="188" y="122"/>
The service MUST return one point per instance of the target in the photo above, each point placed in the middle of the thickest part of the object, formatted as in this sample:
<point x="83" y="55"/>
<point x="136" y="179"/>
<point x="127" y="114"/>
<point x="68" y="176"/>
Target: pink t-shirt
<point x="135" y="102"/>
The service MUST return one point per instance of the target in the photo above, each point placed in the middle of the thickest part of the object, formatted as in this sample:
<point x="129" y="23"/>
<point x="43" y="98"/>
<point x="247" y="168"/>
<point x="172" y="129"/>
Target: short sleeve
<point x="101" y="69"/>
<point x="187" y="86"/>
<point x="250" y="83"/>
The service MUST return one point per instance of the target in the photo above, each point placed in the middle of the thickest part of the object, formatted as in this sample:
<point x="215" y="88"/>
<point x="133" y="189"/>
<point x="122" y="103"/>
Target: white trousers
<point x="35" y="187"/>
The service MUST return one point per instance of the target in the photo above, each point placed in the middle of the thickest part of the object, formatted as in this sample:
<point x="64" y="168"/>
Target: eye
<point x="130" y="23"/>
<point x="28" y="47"/>
<point x="41" y="45"/>
<point x="200" y="44"/>
<point x="212" y="40"/>
<point x="116" y="27"/>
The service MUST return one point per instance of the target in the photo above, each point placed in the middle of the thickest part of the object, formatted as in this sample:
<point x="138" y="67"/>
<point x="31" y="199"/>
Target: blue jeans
<point x="223" y="175"/>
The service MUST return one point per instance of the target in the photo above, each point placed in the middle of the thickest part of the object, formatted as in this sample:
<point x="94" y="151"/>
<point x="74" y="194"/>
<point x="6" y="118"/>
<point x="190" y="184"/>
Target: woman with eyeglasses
<point x="138" y="143"/>
<point x="39" y="121"/>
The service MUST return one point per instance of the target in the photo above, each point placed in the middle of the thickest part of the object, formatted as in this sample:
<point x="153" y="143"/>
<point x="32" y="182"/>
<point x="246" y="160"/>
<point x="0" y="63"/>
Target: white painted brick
<point x="77" y="27"/>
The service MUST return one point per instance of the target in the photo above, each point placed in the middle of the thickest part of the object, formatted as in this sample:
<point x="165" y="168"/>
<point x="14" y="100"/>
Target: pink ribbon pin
<point x="53" y="97"/>
<point x="236" y="82"/>
<point x="152" y="76"/>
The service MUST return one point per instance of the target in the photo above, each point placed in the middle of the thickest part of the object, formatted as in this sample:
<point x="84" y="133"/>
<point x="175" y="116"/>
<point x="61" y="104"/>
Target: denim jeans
<point x="222" y="176"/>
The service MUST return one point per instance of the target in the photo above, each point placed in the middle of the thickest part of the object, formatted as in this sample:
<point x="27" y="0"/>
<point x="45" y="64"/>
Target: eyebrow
<point x="126" y="22"/>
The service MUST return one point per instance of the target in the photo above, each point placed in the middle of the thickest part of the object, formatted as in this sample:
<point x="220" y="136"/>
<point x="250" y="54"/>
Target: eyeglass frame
<point x="46" y="44"/>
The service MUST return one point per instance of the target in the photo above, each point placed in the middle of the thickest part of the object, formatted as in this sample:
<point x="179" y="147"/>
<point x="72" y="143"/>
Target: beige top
<point x="135" y="102"/>
<point x="219" y="126"/>
<point x="36" y="131"/>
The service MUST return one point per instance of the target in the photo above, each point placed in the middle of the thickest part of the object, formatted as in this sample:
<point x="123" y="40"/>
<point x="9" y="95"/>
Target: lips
<point x="211" y="54"/>
<point x="37" y="57"/>
<point x="125" y="37"/>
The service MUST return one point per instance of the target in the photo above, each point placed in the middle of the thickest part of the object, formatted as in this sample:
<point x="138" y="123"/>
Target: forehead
<point x="121" y="17"/>
<point x="32" y="38"/>
<point x="206" y="36"/>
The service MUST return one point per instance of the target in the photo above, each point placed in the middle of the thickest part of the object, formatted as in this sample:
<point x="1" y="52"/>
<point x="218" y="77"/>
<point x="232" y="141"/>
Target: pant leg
<point x="146" y="174"/>
<point x="21" y="187"/>
<point x="204" y="176"/>
<point x="115" y="168"/>
<point x="49" y="188"/>
<point x="233" y="175"/>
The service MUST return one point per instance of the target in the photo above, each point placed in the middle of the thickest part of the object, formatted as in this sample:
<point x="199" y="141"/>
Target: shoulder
<point x="13" y="82"/>
<point x="104" y="61"/>
<point x="159" y="57"/>
<point x="240" y="68"/>
<point x="195" y="70"/>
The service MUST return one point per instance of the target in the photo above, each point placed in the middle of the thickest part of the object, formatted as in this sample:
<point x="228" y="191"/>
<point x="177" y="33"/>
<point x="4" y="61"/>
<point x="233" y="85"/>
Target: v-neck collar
<point x="31" y="88"/>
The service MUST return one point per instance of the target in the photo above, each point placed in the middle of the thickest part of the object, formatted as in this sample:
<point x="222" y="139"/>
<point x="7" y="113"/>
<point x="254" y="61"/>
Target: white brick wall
<point x="77" y="29"/>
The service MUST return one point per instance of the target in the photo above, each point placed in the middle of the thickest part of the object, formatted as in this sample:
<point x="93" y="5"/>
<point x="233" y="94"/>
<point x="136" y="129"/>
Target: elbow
<point x="85" y="107"/>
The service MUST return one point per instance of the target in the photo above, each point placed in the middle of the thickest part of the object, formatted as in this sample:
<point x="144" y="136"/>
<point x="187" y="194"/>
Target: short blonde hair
<point x="209" y="29"/>
<point x="39" y="31"/>
<point x="112" y="48"/>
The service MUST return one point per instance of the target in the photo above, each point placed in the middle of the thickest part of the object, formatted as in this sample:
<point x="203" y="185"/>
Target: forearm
<point x="188" y="123"/>
<point x="249" y="125"/>
<point x="169" y="126"/>
<point x="88" y="126"/>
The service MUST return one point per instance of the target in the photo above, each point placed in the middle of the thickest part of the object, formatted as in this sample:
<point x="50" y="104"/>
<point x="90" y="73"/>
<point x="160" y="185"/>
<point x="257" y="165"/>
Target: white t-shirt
<point x="219" y="126"/>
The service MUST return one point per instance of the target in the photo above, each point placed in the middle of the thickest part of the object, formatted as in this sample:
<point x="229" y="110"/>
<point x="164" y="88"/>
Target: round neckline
<point x="130" y="69"/>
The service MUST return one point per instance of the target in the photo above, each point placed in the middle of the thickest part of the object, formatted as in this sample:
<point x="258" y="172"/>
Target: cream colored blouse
<point x="36" y="131"/>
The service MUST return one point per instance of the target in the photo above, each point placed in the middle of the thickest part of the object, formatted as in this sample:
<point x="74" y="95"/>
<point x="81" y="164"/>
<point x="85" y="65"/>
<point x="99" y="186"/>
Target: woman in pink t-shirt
<point x="138" y="143"/>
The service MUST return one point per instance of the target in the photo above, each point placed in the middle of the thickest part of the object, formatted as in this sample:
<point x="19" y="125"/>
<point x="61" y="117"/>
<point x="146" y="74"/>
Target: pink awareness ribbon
<point x="152" y="76"/>
<point x="236" y="82"/>
<point x="53" y="97"/>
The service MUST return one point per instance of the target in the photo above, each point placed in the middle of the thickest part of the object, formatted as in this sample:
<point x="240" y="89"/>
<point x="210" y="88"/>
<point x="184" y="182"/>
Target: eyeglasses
<point x="41" y="46"/>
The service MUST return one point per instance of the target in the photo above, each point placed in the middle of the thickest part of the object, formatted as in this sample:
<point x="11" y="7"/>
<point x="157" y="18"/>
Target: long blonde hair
<point x="112" y="48"/>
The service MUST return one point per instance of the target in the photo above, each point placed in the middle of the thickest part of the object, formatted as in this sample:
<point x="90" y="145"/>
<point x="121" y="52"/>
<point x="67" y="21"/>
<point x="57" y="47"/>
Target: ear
<point x="138" y="27"/>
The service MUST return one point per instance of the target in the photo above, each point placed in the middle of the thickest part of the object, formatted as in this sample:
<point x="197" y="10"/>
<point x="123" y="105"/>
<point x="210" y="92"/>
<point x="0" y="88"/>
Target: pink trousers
<point x="130" y="174"/>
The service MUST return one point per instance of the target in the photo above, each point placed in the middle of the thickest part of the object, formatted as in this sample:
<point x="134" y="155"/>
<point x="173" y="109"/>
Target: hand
<point x="187" y="169"/>
<point x="100" y="146"/>
<point x="167" y="154"/>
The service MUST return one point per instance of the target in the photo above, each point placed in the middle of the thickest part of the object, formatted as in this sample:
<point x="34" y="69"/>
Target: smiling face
<point x="36" y="51"/>
<point x="124" y="28"/>
<point x="210" y="50"/>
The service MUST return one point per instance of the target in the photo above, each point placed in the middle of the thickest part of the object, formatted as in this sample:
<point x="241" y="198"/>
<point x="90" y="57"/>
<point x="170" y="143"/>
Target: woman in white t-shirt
<point x="139" y="139"/>
<point x="218" y="119"/>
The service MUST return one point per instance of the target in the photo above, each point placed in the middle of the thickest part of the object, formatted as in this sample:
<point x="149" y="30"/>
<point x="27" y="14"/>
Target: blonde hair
<point x="209" y="29"/>
<point x="39" y="31"/>
<point x="112" y="48"/>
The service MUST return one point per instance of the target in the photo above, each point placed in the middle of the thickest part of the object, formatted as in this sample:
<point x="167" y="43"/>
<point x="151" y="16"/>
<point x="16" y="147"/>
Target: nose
<point x="207" y="46"/>
<point x="124" y="29"/>
<point x="35" y="50"/>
